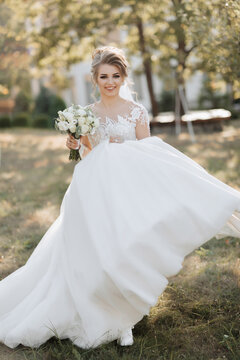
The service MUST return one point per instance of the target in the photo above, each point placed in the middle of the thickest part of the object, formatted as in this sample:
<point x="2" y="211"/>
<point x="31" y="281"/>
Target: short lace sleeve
<point x="139" y="114"/>
<point x="144" y="117"/>
<point x="141" y="117"/>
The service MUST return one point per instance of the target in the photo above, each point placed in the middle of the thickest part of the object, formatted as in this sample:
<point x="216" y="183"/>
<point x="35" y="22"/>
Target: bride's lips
<point x="110" y="88"/>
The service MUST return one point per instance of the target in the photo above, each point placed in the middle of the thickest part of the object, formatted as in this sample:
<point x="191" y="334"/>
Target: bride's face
<point x="109" y="80"/>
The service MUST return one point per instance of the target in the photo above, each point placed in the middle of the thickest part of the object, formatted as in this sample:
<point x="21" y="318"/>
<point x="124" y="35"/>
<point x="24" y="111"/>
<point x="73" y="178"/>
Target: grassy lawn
<point x="198" y="315"/>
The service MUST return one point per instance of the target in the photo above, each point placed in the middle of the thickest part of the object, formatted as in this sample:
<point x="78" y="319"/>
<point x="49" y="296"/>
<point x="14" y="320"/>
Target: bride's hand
<point x="72" y="143"/>
<point x="116" y="139"/>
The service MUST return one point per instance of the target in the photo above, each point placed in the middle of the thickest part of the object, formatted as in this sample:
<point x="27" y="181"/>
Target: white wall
<point x="78" y="92"/>
<point x="193" y="88"/>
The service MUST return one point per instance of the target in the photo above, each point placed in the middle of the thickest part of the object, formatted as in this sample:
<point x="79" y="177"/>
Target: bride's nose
<point x="110" y="80"/>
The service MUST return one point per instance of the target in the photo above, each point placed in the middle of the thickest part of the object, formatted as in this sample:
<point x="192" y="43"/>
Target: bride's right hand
<point x="72" y="143"/>
<point x="116" y="139"/>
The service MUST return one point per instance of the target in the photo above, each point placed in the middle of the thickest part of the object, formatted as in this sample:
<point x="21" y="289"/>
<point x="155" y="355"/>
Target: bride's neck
<point x="108" y="102"/>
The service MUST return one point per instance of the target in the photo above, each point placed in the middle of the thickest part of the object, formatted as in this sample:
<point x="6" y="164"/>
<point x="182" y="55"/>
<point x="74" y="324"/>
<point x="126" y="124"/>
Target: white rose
<point x="62" y="125"/>
<point x="84" y="129"/>
<point x="73" y="121"/>
<point x="69" y="116"/>
<point x="87" y="121"/>
<point x="71" y="109"/>
<point x="96" y="122"/>
<point x="81" y="112"/>
<point x="72" y="128"/>
<point x="90" y="119"/>
<point x="61" y="115"/>
<point x="82" y="121"/>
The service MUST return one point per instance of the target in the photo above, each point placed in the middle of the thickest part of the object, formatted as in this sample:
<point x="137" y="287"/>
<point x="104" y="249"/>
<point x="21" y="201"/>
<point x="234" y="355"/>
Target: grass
<point x="198" y="315"/>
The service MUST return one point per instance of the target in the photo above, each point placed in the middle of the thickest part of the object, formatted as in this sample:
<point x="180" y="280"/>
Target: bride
<point x="135" y="207"/>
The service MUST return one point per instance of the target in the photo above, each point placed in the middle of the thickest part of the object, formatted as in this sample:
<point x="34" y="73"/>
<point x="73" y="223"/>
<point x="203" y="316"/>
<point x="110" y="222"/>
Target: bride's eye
<point x="105" y="76"/>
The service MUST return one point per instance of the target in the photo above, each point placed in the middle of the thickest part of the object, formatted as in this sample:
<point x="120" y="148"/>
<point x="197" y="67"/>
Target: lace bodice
<point x="124" y="128"/>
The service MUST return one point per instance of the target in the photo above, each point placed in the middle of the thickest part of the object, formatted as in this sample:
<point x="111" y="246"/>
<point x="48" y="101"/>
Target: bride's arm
<point x="142" y="125"/>
<point x="85" y="146"/>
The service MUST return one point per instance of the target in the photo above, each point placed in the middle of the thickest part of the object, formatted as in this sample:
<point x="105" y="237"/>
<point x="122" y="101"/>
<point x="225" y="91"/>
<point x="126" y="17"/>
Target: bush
<point x="5" y="121"/>
<point x="42" y="101"/>
<point x="22" y="102"/>
<point x="41" y="121"/>
<point x="210" y="98"/>
<point x="213" y="99"/>
<point x="56" y="104"/>
<point x="167" y="101"/>
<point x="21" y="119"/>
<point x="235" y="113"/>
<point x="48" y="103"/>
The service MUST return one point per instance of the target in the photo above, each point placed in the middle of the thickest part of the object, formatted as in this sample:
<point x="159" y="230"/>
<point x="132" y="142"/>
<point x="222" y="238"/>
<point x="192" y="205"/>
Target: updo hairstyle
<point x="108" y="55"/>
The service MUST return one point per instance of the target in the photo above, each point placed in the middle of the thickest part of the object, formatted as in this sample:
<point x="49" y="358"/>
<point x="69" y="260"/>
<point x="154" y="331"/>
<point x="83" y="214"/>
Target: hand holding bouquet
<point x="78" y="121"/>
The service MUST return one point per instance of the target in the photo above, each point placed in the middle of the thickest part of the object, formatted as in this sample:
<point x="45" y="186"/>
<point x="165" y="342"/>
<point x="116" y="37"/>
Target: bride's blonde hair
<point x="108" y="55"/>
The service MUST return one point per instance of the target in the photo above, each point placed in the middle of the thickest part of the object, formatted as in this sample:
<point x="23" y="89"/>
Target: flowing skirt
<point x="130" y="215"/>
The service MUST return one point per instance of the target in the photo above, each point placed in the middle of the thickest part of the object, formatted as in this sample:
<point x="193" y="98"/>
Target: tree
<point x="134" y="16"/>
<point x="184" y="36"/>
<point x="14" y="56"/>
<point x="58" y="33"/>
<point x="59" y="37"/>
<point x="217" y="38"/>
<point x="189" y="32"/>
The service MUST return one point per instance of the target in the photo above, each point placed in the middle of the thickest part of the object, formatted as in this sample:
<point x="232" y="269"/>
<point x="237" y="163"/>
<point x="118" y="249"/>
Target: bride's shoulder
<point x="134" y="105"/>
<point x="138" y="111"/>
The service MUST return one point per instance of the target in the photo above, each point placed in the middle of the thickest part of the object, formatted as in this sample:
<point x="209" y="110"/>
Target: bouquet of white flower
<point x="78" y="121"/>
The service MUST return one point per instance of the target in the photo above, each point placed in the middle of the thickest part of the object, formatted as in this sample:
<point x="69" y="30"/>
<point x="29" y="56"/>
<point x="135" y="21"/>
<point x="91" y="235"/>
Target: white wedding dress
<point x="130" y="215"/>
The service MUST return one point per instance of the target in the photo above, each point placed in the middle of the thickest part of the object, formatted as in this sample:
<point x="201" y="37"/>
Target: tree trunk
<point x="182" y="53"/>
<point x="147" y="66"/>
<point x="180" y="83"/>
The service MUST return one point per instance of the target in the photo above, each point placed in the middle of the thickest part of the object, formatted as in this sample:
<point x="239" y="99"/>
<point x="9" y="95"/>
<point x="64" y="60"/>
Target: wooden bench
<point x="204" y="118"/>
